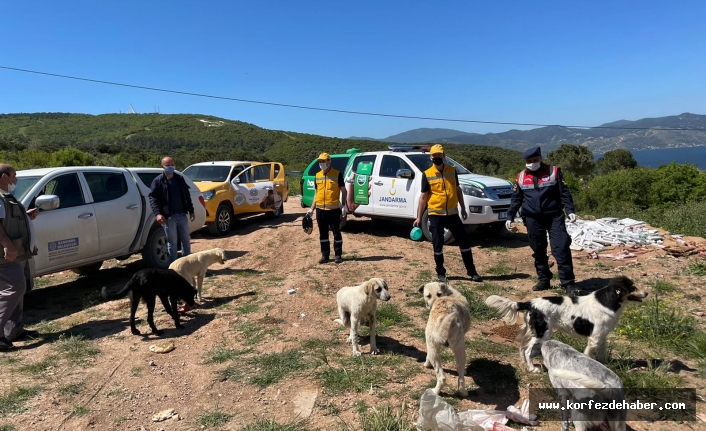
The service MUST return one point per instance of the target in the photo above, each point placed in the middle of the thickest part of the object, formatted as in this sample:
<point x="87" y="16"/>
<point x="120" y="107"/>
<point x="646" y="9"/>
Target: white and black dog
<point x="578" y="378"/>
<point x="593" y="316"/>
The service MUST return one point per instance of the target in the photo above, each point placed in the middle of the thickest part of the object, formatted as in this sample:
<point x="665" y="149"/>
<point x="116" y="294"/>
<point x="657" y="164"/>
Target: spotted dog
<point x="593" y="316"/>
<point x="580" y="379"/>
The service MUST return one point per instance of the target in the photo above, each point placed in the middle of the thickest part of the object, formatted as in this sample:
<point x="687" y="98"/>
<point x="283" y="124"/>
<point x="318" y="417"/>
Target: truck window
<point x="390" y="165"/>
<point x="106" y="186"/>
<point x="369" y="158"/>
<point x="262" y="172"/>
<point x="68" y="188"/>
<point x="236" y="170"/>
<point x="212" y="173"/>
<point x="423" y="162"/>
<point x="337" y="163"/>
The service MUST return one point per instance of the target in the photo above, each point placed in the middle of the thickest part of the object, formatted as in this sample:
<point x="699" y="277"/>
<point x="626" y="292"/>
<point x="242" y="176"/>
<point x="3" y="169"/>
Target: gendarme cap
<point x="532" y="152"/>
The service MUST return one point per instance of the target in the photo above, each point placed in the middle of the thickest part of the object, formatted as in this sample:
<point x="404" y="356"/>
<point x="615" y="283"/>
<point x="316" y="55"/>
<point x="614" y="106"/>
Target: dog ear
<point x="421" y="288"/>
<point x="369" y="287"/>
<point x="444" y="288"/>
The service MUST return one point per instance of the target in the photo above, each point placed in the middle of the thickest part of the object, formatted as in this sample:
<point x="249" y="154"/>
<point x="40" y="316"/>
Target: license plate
<point x="502" y="216"/>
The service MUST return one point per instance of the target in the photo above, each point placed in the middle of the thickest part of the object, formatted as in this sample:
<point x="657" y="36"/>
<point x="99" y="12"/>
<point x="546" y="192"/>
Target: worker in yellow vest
<point x="441" y="194"/>
<point x="330" y="192"/>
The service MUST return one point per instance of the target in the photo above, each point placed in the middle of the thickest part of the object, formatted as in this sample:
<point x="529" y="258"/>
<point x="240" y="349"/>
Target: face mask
<point x="11" y="188"/>
<point x="169" y="169"/>
<point x="323" y="166"/>
<point x="437" y="160"/>
<point x="532" y="166"/>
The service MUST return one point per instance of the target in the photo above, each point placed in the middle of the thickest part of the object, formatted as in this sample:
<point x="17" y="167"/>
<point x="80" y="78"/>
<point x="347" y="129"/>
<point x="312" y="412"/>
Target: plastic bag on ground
<point x="435" y="414"/>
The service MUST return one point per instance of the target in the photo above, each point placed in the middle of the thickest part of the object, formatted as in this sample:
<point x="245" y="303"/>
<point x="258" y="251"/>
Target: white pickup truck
<point x="102" y="213"/>
<point x="396" y="183"/>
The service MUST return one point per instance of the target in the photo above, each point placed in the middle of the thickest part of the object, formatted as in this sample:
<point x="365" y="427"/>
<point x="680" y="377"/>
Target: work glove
<point x="344" y="211"/>
<point x="572" y="218"/>
<point x="508" y="225"/>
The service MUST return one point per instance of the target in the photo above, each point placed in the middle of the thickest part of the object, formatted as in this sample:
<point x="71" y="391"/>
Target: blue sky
<point x="571" y="62"/>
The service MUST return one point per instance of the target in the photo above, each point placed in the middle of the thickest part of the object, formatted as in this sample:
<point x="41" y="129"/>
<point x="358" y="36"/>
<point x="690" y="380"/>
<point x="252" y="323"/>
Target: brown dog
<point x="449" y="320"/>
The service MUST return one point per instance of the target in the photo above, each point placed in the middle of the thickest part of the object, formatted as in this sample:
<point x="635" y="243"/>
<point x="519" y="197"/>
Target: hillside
<point x="596" y="139"/>
<point x="139" y="139"/>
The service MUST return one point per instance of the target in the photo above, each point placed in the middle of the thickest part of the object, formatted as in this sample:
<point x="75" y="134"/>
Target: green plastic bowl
<point x="416" y="233"/>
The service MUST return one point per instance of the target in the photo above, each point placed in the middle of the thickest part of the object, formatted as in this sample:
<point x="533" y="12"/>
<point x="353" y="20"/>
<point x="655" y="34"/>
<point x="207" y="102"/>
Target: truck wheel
<point x="156" y="252"/>
<point x="89" y="269"/>
<point x="224" y="221"/>
<point x="448" y="238"/>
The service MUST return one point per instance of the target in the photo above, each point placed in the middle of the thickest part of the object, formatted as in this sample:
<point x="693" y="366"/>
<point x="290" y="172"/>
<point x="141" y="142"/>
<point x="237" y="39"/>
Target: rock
<point x="304" y="403"/>
<point x="163" y="415"/>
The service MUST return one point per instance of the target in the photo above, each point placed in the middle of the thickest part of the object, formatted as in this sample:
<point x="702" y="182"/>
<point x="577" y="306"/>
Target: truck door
<point x="362" y="209"/>
<point x="68" y="234"/>
<point x="118" y="205"/>
<point x="253" y="187"/>
<point x="394" y="187"/>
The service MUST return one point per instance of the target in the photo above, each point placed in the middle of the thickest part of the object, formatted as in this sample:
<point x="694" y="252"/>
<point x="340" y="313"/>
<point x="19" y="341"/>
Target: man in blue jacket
<point x="170" y="201"/>
<point x="544" y="197"/>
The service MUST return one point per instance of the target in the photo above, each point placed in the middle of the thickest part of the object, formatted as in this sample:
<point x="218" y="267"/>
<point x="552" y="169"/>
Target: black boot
<point x="541" y="285"/>
<point x="475" y="277"/>
<point x="324" y="259"/>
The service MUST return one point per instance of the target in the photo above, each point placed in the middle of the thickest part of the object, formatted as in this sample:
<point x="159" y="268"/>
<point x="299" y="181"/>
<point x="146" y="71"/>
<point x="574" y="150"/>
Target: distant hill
<point x="596" y="139"/>
<point x="141" y="139"/>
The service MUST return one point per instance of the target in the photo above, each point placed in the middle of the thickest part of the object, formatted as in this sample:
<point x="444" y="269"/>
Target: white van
<point x="396" y="182"/>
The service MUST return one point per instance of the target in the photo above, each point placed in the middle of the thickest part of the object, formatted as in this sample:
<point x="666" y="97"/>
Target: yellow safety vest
<point x="443" y="200"/>
<point x="327" y="190"/>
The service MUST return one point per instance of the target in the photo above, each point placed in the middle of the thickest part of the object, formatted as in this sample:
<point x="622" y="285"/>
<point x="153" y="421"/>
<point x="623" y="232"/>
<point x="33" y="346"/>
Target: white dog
<point x="449" y="320"/>
<point x="578" y="378"/>
<point x="193" y="267"/>
<point x="356" y="303"/>
<point x="593" y="316"/>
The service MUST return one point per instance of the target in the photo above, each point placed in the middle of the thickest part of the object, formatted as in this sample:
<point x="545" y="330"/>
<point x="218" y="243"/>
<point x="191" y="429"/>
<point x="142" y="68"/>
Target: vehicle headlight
<point x="208" y="195"/>
<point x="476" y="192"/>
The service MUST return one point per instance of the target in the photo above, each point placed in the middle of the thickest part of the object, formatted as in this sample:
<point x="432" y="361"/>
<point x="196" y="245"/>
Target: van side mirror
<point x="47" y="202"/>
<point x="405" y="173"/>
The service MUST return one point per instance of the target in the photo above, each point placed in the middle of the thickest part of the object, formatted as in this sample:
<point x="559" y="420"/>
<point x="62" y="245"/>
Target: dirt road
<point x="252" y="351"/>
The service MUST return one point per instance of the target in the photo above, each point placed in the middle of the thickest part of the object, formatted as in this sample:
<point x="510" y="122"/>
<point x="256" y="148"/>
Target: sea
<point x="664" y="156"/>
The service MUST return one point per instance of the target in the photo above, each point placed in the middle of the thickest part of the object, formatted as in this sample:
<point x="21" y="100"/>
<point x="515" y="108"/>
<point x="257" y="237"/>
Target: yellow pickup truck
<point x="234" y="188"/>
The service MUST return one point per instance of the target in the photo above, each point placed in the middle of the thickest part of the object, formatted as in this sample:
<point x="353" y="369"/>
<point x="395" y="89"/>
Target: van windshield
<point x="423" y="162"/>
<point x="218" y="174"/>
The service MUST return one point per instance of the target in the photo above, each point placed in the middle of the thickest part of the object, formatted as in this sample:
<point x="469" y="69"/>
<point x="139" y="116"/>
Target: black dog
<point x="149" y="284"/>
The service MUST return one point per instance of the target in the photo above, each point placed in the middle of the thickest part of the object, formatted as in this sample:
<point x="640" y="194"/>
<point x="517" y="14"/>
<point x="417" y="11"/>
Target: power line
<point x="340" y="111"/>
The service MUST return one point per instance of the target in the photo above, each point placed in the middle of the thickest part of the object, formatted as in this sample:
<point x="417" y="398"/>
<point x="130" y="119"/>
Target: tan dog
<point x="449" y="320"/>
<point x="356" y="303"/>
<point x="193" y="267"/>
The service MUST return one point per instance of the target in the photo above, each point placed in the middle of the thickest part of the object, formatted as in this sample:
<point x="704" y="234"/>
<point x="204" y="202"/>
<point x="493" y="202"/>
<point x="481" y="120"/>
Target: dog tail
<point x="116" y="295"/>
<point x="582" y="380"/>
<point x="508" y="309"/>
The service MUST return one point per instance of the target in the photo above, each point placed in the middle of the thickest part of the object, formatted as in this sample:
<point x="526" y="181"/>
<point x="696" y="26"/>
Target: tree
<point x="614" y="161"/>
<point x="573" y="159"/>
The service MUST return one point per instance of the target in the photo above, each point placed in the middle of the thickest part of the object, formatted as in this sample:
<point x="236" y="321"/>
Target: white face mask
<point x="323" y="166"/>
<point x="11" y="187"/>
<point x="532" y="166"/>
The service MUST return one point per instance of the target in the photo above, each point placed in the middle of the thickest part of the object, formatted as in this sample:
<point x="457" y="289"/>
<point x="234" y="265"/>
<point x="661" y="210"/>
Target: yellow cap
<point x="437" y="149"/>
<point x="324" y="156"/>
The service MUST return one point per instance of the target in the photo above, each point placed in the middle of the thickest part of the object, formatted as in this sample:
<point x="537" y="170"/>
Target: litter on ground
<point x="435" y="414"/>
<point x="595" y="235"/>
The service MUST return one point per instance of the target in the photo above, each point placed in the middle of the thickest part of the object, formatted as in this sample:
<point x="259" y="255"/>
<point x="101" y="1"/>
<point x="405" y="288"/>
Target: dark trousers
<point x="559" y="239"/>
<point x="454" y="224"/>
<point x="329" y="219"/>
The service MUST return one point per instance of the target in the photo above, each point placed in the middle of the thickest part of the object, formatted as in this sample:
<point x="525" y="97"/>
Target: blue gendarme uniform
<point x="544" y="197"/>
